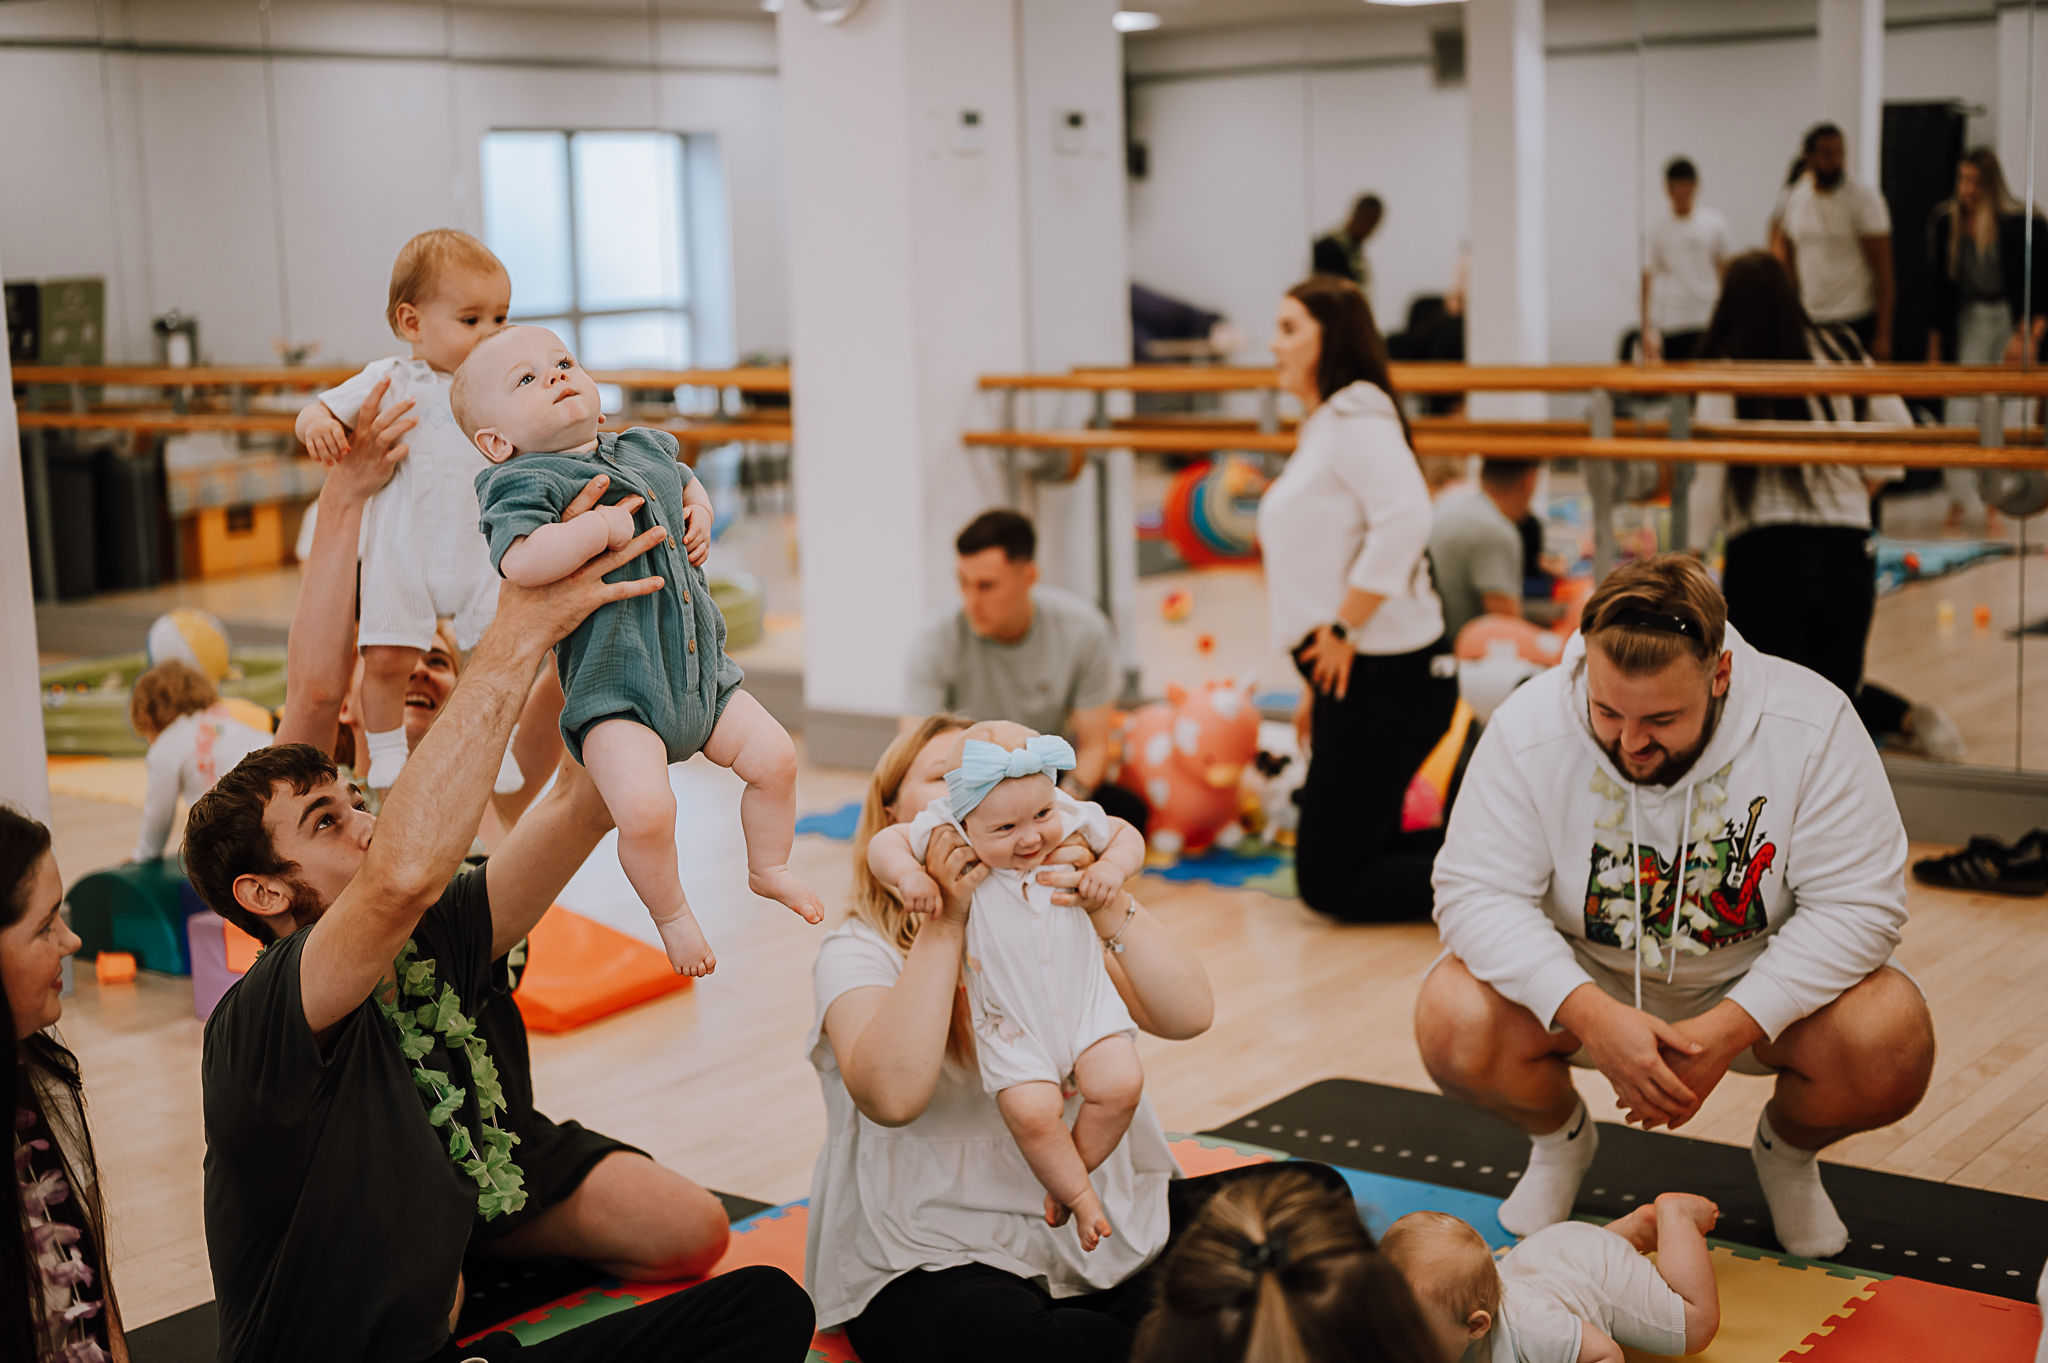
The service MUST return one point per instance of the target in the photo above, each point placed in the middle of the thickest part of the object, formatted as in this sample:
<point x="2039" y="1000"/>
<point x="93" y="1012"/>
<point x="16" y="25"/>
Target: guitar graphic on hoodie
<point x="1729" y="869"/>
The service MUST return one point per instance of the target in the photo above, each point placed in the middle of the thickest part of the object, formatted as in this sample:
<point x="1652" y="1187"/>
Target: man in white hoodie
<point x="1673" y="855"/>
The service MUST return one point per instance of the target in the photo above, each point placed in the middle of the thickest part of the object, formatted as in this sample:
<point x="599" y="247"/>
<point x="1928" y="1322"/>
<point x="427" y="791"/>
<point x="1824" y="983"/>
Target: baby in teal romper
<point x="646" y="679"/>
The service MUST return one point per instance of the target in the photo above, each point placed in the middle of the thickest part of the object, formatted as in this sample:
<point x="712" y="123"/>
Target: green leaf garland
<point x="422" y="1004"/>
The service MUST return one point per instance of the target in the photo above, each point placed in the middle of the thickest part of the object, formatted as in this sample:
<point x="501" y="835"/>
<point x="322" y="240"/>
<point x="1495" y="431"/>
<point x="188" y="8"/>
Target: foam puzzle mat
<point x="1775" y="1308"/>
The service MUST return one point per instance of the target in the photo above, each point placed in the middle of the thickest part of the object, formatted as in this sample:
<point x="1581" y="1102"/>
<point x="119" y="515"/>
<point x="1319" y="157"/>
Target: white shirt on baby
<point x="191" y="753"/>
<point x="1036" y="986"/>
<point x="1566" y="1275"/>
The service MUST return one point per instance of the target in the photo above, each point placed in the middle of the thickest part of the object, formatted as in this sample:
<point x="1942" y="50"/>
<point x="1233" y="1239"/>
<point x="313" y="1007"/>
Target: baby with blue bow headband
<point x="1042" y="1002"/>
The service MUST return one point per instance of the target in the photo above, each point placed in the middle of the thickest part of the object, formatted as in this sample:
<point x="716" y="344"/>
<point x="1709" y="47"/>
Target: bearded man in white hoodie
<point x="1673" y="855"/>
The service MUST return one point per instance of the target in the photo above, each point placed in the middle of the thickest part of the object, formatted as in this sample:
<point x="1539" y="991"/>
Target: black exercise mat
<point x="1937" y="1232"/>
<point x="496" y="1289"/>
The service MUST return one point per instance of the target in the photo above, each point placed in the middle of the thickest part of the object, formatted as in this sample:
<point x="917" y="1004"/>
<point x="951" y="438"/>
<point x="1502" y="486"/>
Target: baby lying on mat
<point x="1041" y="1000"/>
<point x="646" y="680"/>
<point x="1572" y="1292"/>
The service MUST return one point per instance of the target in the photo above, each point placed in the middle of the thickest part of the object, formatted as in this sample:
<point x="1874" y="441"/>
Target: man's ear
<point x="267" y="898"/>
<point x="492" y="445"/>
<point x="407" y="318"/>
<point x="1031" y="572"/>
<point x="1477" y="1324"/>
<point x="1723" y="669"/>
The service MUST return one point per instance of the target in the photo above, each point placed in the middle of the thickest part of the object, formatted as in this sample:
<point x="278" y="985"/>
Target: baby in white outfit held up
<point x="1043" y="1005"/>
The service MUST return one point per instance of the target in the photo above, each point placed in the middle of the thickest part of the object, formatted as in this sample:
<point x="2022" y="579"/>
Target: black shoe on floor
<point x="1988" y="866"/>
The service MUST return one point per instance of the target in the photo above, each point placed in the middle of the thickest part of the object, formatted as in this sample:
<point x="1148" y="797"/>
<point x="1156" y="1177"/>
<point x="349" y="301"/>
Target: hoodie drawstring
<point x="1678" y="923"/>
<point x="1635" y="869"/>
<point x="1687" y="844"/>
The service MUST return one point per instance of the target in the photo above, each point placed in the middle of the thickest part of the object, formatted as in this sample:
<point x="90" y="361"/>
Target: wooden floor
<point x="714" y="1081"/>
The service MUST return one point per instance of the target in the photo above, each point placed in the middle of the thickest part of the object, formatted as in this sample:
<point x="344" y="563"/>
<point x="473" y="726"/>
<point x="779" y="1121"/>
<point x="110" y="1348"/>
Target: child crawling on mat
<point x="1042" y="1004"/>
<point x="646" y="680"/>
<point x="1570" y="1293"/>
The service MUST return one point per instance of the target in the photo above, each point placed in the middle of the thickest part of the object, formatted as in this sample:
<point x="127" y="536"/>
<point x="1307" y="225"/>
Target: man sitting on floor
<point x="1021" y="651"/>
<point x="352" y="1111"/>
<point x="1673" y="856"/>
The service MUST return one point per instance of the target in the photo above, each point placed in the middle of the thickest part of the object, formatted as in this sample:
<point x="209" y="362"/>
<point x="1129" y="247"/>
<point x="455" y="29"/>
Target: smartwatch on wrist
<point x="1341" y="630"/>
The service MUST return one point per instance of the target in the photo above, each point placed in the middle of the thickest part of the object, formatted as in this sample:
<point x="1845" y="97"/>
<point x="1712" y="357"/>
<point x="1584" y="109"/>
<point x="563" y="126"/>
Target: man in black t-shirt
<point x="353" y="1114"/>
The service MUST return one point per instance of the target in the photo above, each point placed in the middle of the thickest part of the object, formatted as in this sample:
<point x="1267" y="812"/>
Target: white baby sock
<point x="1801" y="1211"/>
<point x="510" y="778"/>
<point x="387" y="758"/>
<point x="1557" y="1162"/>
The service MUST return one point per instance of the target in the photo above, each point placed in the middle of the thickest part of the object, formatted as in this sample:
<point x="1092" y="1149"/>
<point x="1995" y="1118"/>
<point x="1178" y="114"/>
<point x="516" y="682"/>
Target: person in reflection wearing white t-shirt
<point x="1682" y="274"/>
<point x="1835" y="236"/>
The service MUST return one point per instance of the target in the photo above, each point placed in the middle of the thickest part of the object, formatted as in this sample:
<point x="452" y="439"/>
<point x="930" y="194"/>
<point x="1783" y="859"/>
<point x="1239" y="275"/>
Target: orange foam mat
<point x="578" y="971"/>
<point x="1904" y="1320"/>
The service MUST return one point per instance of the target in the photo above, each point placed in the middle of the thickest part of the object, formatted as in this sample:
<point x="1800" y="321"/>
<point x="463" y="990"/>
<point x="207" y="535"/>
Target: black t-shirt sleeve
<point x="261" y="1059"/>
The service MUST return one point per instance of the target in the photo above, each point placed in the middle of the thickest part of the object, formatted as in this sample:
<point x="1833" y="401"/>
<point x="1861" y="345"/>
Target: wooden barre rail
<point x="748" y="379"/>
<point x="1223" y="430"/>
<point x="1912" y="380"/>
<point x="280" y="423"/>
<point x="1523" y="446"/>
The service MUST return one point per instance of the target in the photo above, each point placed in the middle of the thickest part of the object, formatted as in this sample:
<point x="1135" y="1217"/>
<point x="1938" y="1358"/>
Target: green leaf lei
<point x="420" y="1007"/>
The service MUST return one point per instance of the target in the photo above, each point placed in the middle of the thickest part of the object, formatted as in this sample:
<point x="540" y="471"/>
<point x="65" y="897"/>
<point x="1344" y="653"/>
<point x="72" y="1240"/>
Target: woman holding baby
<point x="929" y="1237"/>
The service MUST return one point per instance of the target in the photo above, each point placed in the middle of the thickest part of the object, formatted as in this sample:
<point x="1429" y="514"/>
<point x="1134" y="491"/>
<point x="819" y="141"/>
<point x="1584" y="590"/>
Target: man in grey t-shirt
<point x="1476" y="547"/>
<point x="1020" y="651"/>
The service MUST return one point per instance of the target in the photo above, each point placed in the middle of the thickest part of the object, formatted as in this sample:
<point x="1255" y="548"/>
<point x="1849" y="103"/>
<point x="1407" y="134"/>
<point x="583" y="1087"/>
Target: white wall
<point x="24" y="776"/>
<point x="1259" y="138"/>
<point x="152" y="166"/>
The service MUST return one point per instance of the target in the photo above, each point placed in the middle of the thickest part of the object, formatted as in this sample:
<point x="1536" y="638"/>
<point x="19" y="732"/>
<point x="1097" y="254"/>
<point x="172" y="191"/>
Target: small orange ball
<point x="1982" y="615"/>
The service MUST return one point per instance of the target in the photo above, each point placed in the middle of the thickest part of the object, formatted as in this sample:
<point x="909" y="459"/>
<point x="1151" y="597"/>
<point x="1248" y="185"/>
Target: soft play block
<point x="134" y="908"/>
<point x="578" y="971"/>
<point x="213" y="964"/>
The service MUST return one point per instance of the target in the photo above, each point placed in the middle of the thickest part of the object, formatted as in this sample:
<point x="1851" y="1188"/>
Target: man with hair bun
<point x="1674" y="856"/>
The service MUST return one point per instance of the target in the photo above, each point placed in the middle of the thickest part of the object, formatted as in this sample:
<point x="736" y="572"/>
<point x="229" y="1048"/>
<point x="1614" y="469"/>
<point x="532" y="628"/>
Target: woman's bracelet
<point x="1115" y="942"/>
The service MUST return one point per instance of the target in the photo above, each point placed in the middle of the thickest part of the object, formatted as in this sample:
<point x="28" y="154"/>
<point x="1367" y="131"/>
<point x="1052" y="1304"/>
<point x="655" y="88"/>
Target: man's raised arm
<point x="432" y="813"/>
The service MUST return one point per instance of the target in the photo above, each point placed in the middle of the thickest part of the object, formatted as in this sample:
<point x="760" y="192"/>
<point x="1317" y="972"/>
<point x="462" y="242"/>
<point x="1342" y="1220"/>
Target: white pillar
<point x="1507" y="312"/>
<point x="24" y="776"/>
<point x="920" y="135"/>
<point x="1852" y="79"/>
<point x="2023" y="100"/>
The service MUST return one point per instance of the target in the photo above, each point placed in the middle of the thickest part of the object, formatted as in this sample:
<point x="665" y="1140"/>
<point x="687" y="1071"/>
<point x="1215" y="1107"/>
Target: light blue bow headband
<point x="983" y="766"/>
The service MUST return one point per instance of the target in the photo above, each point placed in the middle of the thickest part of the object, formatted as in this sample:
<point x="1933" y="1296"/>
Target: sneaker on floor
<point x="1988" y="866"/>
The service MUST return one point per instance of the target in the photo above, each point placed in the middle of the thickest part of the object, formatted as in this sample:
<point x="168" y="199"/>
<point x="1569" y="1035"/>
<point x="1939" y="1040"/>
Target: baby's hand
<point x="1100" y="884"/>
<point x="618" y="521"/>
<point x="697" y="532"/>
<point x="324" y="437"/>
<point x="920" y="894"/>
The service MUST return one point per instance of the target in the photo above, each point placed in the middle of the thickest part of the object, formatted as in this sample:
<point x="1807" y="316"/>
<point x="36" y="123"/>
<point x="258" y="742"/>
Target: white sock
<point x="387" y="758"/>
<point x="1557" y="1162"/>
<point x="1801" y="1211"/>
<point x="510" y="779"/>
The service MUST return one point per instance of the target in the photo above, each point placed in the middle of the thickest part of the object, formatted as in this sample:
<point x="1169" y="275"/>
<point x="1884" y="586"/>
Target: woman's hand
<point x="1328" y="660"/>
<point x="952" y="863"/>
<point x="1304" y="720"/>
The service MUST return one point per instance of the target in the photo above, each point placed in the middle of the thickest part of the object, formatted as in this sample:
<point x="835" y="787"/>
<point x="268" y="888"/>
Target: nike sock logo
<point x="1580" y="1127"/>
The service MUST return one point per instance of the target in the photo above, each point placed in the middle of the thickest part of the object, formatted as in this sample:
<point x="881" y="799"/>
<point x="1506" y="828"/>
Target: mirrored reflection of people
<point x="1344" y="530"/>
<point x="1341" y="252"/>
<point x="1682" y="275"/>
<point x="1020" y="650"/>
<point x="1664" y="740"/>
<point x="1835" y="236"/>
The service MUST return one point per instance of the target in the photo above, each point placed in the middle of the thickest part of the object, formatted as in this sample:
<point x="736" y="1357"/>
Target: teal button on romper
<point x="657" y="659"/>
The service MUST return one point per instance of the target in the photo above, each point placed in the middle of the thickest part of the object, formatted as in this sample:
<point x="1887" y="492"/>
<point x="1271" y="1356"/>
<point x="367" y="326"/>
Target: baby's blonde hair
<point x="1446" y="1262"/>
<point x="423" y="261"/>
<point x="462" y="389"/>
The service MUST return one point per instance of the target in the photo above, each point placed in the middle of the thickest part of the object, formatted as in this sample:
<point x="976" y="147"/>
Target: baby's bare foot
<point x="1056" y="1212"/>
<point x="1089" y="1222"/>
<point x="785" y="889"/>
<point x="1699" y="1210"/>
<point x="684" y="942"/>
<point x="1639" y="1228"/>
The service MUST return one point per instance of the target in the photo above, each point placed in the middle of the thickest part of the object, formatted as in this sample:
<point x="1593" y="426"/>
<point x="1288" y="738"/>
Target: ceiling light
<point x="1134" y="21"/>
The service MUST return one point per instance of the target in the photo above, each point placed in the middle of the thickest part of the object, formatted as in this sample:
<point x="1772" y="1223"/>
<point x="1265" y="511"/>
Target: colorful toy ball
<point x="190" y="636"/>
<point x="1176" y="607"/>
<point x="1912" y="562"/>
<point x="1205" y="644"/>
<point x="1982" y="615"/>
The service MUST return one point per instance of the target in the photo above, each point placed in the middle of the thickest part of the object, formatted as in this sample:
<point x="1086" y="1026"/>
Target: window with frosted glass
<point x="591" y="226"/>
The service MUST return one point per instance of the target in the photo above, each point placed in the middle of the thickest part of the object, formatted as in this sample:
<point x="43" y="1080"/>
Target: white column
<point x="1507" y="313"/>
<point x="921" y="142"/>
<point x="1852" y="79"/>
<point x="2023" y="100"/>
<point x="24" y="777"/>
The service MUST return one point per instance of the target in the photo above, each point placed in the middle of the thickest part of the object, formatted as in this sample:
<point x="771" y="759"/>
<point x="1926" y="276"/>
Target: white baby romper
<point x="423" y="558"/>
<point x="1036" y="987"/>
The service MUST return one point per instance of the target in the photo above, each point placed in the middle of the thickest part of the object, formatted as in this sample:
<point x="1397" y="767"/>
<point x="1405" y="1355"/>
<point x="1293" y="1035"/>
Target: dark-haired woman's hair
<point x="1352" y="347"/>
<point x="1759" y="317"/>
<point x="1278" y="1268"/>
<point x="39" y="1072"/>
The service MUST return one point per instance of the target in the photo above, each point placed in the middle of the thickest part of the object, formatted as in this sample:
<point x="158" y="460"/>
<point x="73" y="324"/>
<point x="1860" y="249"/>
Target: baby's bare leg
<point x="1683" y="1221"/>
<point x="628" y="762"/>
<point x="1036" y="1116"/>
<point x="385" y="669"/>
<point x="749" y="741"/>
<point x="1111" y="1081"/>
<point x="1639" y="1228"/>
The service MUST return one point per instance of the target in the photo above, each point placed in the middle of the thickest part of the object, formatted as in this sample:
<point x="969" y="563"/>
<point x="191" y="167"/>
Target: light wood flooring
<point x="714" y="1081"/>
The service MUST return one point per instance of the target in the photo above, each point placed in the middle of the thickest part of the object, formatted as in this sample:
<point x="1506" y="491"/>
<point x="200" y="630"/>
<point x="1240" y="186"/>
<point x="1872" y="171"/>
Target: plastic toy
<point x="1276" y="773"/>
<point x="1186" y="757"/>
<point x="1211" y="511"/>
<point x="114" y="967"/>
<point x="1176" y="607"/>
<point x="1982" y="615"/>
